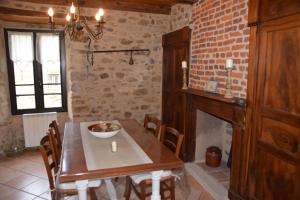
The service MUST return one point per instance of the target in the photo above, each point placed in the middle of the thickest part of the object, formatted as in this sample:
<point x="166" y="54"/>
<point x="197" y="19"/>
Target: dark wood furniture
<point x="54" y="125"/>
<point x="176" y="48"/>
<point x="273" y="115"/>
<point x="152" y="124"/>
<point x="172" y="139"/>
<point x="73" y="164"/>
<point x="56" y="151"/>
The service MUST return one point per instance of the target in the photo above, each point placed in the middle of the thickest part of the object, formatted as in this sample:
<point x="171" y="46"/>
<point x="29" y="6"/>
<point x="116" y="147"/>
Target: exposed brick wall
<point x="219" y="32"/>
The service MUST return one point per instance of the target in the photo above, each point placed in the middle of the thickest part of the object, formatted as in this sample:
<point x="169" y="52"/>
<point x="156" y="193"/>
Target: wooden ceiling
<point x="145" y="6"/>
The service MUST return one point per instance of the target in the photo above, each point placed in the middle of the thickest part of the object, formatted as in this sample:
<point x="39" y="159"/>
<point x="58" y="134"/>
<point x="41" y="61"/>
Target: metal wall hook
<point x="131" y="62"/>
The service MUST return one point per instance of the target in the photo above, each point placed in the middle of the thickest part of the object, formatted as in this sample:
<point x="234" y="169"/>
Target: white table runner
<point x="98" y="154"/>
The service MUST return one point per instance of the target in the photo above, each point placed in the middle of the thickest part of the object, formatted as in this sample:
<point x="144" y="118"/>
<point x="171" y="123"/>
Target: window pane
<point x="21" y="53"/>
<point x="25" y="102"/>
<point x="49" y="56"/>
<point x="52" y="101"/>
<point x="52" y="89"/>
<point x="24" y="90"/>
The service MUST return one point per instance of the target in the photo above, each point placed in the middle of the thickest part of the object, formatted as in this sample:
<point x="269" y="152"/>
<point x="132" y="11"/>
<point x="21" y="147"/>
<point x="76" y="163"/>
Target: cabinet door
<point x="277" y="112"/>
<point x="176" y="49"/>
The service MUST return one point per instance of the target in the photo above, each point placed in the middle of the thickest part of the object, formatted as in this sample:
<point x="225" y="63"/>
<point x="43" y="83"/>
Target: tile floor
<point x="24" y="178"/>
<point x="221" y="173"/>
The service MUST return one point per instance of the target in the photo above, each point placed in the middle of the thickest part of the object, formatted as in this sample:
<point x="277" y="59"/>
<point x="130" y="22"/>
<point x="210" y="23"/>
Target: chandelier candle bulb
<point x="51" y="14"/>
<point x="68" y="17"/>
<point x="229" y="64"/>
<point x="97" y="17"/>
<point x="72" y="9"/>
<point x="114" y="146"/>
<point x="101" y="12"/>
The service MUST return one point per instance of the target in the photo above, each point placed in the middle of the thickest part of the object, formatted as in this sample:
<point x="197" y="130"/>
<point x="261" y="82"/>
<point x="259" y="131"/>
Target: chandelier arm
<point x="95" y="36"/>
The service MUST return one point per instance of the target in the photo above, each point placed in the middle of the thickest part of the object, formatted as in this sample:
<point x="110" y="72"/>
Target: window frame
<point x="38" y="75"/>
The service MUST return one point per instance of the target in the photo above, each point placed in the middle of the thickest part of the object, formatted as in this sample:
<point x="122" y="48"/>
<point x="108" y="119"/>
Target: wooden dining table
<point x="74" y="167"/>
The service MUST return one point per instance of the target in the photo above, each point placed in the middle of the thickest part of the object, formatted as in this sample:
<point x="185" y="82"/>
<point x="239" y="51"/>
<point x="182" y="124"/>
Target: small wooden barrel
<point x="213" y="156"/>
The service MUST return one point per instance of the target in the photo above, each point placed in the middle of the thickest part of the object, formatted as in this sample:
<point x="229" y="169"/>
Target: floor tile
<point x="46" y="195"/>
<point x="37" y="188"/>
<point x="21" y="181"/>
<point x="7" y="174"/>
<point x="19" y="195"/>
<point x="5" y="191"/>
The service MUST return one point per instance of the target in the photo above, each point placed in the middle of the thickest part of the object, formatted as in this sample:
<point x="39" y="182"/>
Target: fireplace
<point x="212" y="131"/>
<point x="226" y="113"/>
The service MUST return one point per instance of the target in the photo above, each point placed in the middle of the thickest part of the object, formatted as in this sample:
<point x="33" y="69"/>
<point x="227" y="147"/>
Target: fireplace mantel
<point x="231" y="110"/>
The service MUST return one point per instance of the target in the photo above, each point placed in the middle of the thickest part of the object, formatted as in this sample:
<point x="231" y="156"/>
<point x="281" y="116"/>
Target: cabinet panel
<point x="282" y="70"/>
<point x="276" y="119"/>
<point x="275" y="178"/>
<point x="272" y="9"/>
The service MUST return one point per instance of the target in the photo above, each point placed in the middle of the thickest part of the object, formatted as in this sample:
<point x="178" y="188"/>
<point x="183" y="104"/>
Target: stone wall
<point x="219" y="31"/>
<point x="111" y="88"/>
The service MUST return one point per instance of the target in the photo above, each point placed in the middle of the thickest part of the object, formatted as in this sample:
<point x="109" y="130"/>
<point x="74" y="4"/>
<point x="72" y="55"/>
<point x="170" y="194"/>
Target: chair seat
<point x="72" y="185"/>
<point x="141" y="177"/>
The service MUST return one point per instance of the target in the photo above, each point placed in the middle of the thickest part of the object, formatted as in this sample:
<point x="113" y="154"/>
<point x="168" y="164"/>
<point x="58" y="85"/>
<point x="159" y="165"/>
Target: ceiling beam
<point x="29" y="16"/>
<point x="146" y="6"/>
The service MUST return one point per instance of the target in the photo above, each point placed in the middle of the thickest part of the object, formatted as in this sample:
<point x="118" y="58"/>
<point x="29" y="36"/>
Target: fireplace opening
<point x="212" y="131"/>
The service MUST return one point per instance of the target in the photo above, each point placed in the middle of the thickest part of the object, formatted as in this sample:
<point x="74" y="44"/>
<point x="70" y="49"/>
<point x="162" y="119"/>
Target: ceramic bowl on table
<point x="104" y="129"/>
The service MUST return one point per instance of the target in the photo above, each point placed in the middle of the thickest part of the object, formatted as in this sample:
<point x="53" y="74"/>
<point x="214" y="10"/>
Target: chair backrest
<point x="172" y="139"/>
<point x="53" y="139"/>
<point x="152" y="124"/>
<point x="48" y="158"/>
<point x="54" y="125"/>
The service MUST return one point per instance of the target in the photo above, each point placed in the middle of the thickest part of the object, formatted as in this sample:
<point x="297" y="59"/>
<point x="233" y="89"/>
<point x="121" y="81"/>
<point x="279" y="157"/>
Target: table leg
<point x="156" y="185"/>
<point x="82" y="186"/>
<point x="110" y="189"/>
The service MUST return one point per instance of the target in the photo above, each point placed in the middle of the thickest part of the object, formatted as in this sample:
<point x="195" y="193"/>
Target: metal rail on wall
<point x="90" y="54"/>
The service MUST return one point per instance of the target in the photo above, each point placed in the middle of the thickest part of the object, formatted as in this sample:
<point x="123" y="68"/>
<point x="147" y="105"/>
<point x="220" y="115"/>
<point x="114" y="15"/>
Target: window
<point x="36" y="70"/>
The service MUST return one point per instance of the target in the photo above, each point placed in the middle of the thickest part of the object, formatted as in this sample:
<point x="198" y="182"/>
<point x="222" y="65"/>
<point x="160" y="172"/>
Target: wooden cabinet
<point x="274" y="96"/>
<point x="176" y="47"/>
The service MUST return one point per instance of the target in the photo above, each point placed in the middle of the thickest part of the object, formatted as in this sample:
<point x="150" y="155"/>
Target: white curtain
<point x="48" y="45"/>
<point x="21" y="46"/>
<point x="48" y="54"/>
<point x="21" y="53"/>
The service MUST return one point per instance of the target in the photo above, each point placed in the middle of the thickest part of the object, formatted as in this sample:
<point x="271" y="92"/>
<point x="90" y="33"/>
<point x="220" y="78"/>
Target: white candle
<point x="229" y="63"/>
<point x="114" y="146"/>
<point x="184" y="64"/>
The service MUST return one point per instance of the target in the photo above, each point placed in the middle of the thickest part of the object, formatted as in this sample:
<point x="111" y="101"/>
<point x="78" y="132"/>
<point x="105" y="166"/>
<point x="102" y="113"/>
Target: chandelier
<point x="76" y="23"/>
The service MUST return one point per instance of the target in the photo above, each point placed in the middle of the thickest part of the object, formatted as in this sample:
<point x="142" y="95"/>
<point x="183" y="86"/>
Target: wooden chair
<point x="58" y="189"/>
<point x="152" y="124"/>
<point x="172" y="139"/>
<point x="54" y="125"/>
<point x="56" y="150"/>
